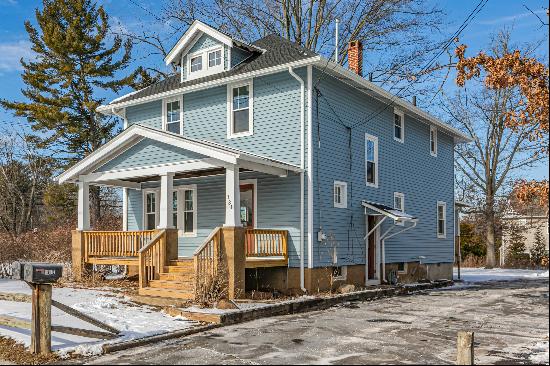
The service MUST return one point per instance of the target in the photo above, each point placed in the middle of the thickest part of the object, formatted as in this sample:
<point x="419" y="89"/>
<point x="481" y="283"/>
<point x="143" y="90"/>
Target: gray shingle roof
<point x="277" y="51"/>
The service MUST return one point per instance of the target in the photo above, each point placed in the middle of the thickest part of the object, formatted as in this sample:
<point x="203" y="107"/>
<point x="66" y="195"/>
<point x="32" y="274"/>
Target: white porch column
<point x="232" y="196"/>
<point x="165" y="214"/>
<point x="124" y="209"/>
<point x="83" y="206"/>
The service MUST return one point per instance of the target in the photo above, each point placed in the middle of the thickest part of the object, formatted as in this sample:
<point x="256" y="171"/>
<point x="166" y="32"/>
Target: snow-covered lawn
<point x="133" y="320"/>
<point x="498" y="274"/>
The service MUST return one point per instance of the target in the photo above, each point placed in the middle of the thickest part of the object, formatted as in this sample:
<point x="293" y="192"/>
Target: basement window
<point x="339" y="273"/>
<point x="402" y="267"/>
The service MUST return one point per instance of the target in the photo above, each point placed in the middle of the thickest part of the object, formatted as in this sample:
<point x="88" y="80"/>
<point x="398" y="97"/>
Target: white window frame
<point x="181" y="203"/>
<point x="444" y="234"/>
<point x="181" y="209"/>
<point x="165" y="102"/>
<point x="343" y="276"/>
<point x="402" y="115"/>
<point x="206" y="69"/>
<point x="230" y="88"/>
<point x="376" y="166"/>
<point x="343" y="186"/>
<point x="433" y="132"/>
<point x="402" y="197"/>
<point x="145" y="192"/>
<point x="220" y="50"/>
<point x="405" y="268"/>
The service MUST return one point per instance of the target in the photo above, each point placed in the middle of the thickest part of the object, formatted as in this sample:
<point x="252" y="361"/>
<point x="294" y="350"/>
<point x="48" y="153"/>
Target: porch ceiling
<point x="216" y="158"/>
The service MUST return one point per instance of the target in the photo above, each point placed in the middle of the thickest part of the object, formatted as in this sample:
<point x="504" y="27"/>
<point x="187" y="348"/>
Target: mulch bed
<point x="12" y="351"/>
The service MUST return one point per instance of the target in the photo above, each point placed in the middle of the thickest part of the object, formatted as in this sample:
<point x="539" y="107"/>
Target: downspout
<point x="302" y="165"/>
<point x="383" y="239"/>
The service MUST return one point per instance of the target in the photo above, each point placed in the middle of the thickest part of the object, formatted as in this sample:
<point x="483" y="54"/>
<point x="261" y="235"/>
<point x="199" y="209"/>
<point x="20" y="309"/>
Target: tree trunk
<point x="95" y="206"/>
<point x="490" y="232"/>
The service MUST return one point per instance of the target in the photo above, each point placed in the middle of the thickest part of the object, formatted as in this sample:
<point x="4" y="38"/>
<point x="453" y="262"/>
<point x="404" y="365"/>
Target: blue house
<point x="284" y="167"/>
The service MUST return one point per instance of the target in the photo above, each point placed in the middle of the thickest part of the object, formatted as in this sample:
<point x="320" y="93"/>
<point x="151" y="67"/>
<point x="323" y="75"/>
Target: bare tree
<point x="397" y="35"/>
<point x="24" y="174"/>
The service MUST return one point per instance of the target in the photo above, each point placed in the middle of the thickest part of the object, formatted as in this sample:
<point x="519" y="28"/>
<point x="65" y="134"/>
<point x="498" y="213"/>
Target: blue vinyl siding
<point x="204" y="42"/>
<point x="146" y="114"/>
<point x="278" y="208"/>
<point x="148" y="152"/>
<point x="408" y="168"/>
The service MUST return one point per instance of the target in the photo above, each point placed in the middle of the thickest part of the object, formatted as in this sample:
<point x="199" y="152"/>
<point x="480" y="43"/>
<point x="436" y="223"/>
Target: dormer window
<point x="214" y="58"/>
<point x="196" y="63"/>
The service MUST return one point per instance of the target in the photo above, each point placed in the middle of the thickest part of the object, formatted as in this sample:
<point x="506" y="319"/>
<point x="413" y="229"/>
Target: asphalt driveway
<point x="510" y="321"/>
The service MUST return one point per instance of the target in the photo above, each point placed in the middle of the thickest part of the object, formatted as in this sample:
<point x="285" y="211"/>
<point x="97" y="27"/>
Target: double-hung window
<point x="196" y="63"/>
<point x="189" y="211"/>
<point x="240" y="110"/>
<point x="214" y="58"/>
<point x="433" y="141"/>
<point x="173" y="115"/>
<point x="398" y="126"/>
<point x="441" y="220"/>
<point x="340" y="194"/>
<point x="371" y="160"/>
<point x="399" y="205"/>
<point x="151" y="210"/>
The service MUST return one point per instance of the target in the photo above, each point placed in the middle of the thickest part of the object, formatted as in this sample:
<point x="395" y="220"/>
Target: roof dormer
<point x="203" y="51"/>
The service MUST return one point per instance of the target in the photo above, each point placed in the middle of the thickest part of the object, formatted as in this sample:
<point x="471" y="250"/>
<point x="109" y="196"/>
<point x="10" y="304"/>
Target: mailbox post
<point x="40" y="276"/>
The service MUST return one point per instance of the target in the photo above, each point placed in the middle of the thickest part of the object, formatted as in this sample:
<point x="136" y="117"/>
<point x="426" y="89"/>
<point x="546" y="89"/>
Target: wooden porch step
<point x="182" y="262"/>
<point x="178" y="269"/>
<point x="180" y="277"/>
<point x="167" y="293"/>
<point x="176" y="285"/>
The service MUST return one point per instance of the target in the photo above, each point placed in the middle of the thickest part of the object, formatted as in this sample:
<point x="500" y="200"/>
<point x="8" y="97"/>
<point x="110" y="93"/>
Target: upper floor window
<point x="173" y="115"/>
<point x="433" y="141"/>
<point x="441" y="219"/>
<point x="214" y="58"/>
<point x="240" y="104"/>
<point x="398" y="126"/>
<point x="340" y="194"/>
<point x="196" y="63"/>
<point x="371" y="160"/>
<point x="399" y="201"/>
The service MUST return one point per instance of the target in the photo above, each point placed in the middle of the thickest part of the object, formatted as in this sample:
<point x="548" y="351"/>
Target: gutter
<point x="302" y="165"/>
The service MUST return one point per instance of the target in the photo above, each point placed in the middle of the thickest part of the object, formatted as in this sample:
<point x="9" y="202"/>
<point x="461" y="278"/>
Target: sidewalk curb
<point x="285" y="308"/>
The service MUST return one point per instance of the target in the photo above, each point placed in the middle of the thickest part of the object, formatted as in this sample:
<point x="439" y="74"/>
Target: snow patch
<point x="498" y="274"/>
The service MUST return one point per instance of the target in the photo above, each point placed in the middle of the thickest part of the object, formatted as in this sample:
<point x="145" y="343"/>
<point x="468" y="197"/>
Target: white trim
<point x="402" y="197"/>
<point x="309" y="167"/>
<point x="106" y="109"/>
<point x="433" y="130"/>
<point x="254" y="182"/>
<point x="124" y="209"/>
<point x="230" y="87"/>
<point x="379" y="93"/>
<point x="343" y="194"/>
<point x="402" y="115"/>
<point x="374" y="139"/>
<point x="189" y="35"/>
<point x="205" y="68"/>
<point x="444" y="205"/>
<point x="165" y="101"/>
<point x="180" y="211"/>
<point x="144" y="193"/>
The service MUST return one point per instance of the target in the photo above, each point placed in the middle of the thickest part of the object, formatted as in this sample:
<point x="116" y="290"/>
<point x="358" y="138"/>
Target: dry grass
<point x="12" y="351"/>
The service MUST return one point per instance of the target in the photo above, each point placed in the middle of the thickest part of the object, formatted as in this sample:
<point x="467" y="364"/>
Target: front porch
<point x="179" y="243"/>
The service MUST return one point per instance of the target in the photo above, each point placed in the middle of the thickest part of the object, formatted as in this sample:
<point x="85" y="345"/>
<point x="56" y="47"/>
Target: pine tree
<point x="516" y="245"/>
<point x="538" y="251"/>
<point x="77" y="58"/>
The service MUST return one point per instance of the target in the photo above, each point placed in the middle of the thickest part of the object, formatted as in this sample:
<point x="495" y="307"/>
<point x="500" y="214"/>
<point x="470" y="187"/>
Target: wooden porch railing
<point x="208" y="261"/>
<point x="152" y="259"/>
<point x="266" y="243"/>
<point x="115" y="243"/>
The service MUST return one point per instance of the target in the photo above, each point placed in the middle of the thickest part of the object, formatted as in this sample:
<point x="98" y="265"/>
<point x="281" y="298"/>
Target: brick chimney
<point x="355" y="57"/>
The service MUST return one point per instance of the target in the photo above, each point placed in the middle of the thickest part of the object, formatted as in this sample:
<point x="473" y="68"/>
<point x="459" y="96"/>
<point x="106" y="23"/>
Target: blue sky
<point x="136" y="14"/>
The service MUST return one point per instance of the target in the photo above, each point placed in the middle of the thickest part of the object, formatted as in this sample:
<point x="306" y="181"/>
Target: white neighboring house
<point x="530" y="224"/>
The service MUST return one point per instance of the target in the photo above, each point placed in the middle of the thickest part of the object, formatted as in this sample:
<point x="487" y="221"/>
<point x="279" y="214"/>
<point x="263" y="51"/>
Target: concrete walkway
<point x="510" y="320"/>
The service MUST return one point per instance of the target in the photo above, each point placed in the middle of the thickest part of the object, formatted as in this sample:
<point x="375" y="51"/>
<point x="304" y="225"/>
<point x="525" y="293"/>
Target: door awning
<point x="388" y="211"/>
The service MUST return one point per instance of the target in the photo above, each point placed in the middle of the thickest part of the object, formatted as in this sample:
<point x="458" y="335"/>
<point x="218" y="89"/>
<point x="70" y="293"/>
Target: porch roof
<point x="216" y="155"/>
<point x="388" y="211"/>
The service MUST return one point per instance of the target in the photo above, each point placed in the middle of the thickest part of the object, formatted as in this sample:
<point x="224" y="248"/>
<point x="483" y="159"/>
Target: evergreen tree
<point x="516" y="245"/>
<point x="77" y="58"/>
<point x="538" y="251"/>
